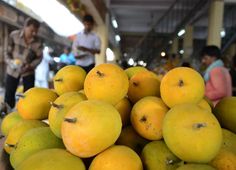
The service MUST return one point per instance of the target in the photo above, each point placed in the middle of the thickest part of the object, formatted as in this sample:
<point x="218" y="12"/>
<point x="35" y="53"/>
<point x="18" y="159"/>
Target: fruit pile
<point x="115" y="119"/>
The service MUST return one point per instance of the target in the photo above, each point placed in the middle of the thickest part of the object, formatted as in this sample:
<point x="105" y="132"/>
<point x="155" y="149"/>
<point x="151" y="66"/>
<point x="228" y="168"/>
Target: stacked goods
<point x="115" y="119"/>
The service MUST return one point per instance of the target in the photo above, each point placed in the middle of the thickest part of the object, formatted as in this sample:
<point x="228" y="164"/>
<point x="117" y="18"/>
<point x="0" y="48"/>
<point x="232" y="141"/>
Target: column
<point x="102" y="31"/>
<point x="229" y="53"/>
<point x="175" y="46"/>
<point x="215" y="22"/>
<point x="188" y="42"/>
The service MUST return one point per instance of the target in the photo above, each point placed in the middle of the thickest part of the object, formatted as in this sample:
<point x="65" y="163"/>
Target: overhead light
<point x="163" y="54"/>
<point x="170" y="42"/>
<point x="110" y="55"/>
<point x="131" y="61"/>
<point x="181" y="51"/>
<point x="125" y="54"/>
<point x="222" y="33"/>
<point x="114" y="23"/>
<point x="117" y="37"/>
<point x="140" y="62"/>
<point x="181" y="32"/>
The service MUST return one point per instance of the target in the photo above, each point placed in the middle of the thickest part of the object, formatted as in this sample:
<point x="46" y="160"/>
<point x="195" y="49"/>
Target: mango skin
<point x="225" y="112"/>
<point x="33" y="141"/>
<point x="52" y="159"/>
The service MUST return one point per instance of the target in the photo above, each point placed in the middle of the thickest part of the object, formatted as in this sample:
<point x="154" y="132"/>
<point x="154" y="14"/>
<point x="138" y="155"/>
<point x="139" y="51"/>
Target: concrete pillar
<point x="102" y="32"/>
<point x="188" y="42"/>
<point x="117" y="53"/>
<point x="175" y="46"/>
<point x="229" y="53"/>
<point x="215" y="22"/>
<point x="232" y="50"/>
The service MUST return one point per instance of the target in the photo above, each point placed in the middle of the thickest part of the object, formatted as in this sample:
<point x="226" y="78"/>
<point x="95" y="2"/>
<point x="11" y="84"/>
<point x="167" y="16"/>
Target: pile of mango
<point x="115" y="119"/>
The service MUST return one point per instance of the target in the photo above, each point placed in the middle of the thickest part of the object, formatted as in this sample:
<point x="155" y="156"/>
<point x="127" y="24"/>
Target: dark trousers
<point x="88" y="68"/>
<point x="11" y="86"/>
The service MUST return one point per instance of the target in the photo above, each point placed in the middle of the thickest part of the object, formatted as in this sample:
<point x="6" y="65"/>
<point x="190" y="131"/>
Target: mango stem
<point x="70" y="120"/>
<point x="58" y="80"/>
<point x="100" y="74"/>
<point x="20" y="95"/>
<point x="58" y="106"/>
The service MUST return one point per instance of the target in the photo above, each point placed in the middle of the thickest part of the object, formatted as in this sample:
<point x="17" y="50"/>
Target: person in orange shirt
<point x="216" y="76"/>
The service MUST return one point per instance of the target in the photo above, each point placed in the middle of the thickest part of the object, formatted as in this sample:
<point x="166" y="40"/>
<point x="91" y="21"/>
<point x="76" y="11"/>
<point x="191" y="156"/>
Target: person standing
<point x="23" y="54"/>
<point x="42" y="70"/>
<point x="86" y="45"/>
<point x="216" y="76"/>
<point x="67" y="57"/>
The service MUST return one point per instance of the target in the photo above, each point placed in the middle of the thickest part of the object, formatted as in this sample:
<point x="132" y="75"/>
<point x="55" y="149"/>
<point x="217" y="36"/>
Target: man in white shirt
<point x="86" y="45"/>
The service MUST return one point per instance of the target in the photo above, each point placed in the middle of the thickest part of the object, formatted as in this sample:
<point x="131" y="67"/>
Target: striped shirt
<point x="19" y="53"/>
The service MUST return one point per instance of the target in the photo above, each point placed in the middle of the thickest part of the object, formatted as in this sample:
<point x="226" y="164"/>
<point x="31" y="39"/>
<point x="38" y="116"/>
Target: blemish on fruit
<point x="199" y="125"/>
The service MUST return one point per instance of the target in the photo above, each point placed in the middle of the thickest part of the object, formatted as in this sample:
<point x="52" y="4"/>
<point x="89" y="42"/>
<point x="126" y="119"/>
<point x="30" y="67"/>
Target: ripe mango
<point x="18" y="131"/>
<point x="195" y="167"/>
<point x="143" y="84"/>
<point x="130" y="138"/>
<point x="59" y="109"/>
<point x="33" y="141"/>
<point x="117" y="158"/>
<point x="35" y="103"/>
<point x="90" y="127"/>
<point x="9" y="121"/>
<point x="156" y="155"/>
<point x="192" y="134"/>
<point x="52" y="159"/>
<point x="225" y="160"/>
<point x="182" y="85"/>
<point x="229" y="141"/>
<point x="106" y="82"/>
<point x="225" y="112"/>
<point x="69" y="78"/>
<point x="147" y="117"/>
<point x="124" y="108"/>
<point x="134" y="70"/>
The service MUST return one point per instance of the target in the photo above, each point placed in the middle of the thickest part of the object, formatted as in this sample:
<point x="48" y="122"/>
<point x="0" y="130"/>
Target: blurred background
<point x="157" y="34"/>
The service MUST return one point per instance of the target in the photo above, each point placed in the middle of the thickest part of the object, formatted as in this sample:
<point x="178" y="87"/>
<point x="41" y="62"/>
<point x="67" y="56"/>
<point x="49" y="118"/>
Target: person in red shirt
<point x="216" y="76"/>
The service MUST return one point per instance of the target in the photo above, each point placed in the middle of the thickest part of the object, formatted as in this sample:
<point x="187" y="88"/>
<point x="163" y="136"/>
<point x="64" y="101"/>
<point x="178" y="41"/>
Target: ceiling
<point x="137" y="17"/>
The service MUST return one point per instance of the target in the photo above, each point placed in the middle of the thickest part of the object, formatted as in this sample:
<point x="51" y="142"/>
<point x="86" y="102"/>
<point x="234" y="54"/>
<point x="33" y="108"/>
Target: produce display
<point x="115" y="119"/>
